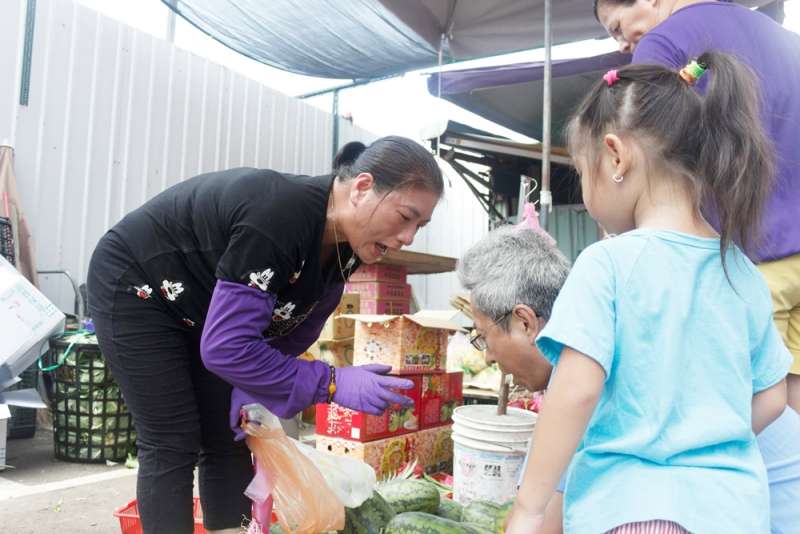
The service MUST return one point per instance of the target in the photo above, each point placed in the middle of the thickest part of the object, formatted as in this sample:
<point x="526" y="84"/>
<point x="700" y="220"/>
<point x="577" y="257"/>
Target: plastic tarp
<point x="367" y="39"/>
<point x="511" y="95"/>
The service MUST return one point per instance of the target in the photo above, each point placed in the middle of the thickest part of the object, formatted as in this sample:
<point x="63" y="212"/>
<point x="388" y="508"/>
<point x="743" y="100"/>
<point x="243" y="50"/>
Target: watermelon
<point x="449" y="509"/>
<point x="374" y="514"/>
<point x="481" y="513"/>
<point x="500" y="518"/>
<point x="352" y="523"/>
<point x="422" y="523"/>
<point x="411" y="496"/>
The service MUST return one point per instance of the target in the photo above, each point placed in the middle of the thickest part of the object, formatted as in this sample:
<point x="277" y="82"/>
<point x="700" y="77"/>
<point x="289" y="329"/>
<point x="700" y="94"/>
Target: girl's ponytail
<point x="736" y="157"/>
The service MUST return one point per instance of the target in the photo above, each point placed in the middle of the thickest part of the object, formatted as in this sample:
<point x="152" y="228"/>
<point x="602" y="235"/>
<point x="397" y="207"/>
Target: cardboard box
<point x="386" y="456"/>
<point x="337" y="421"/>
<point x="454" y="388"/>
<point x="438" y="401"/>
<point x="380" y="290"/>
<point x="409" y="343"/>
<point x="379" y="272"/>
<point x="435" y="449"/>
<point x="336" y="327"/>
<point x="27" y="321"/>
<point x="336" y="352"/>
<point x="385" y="307"/>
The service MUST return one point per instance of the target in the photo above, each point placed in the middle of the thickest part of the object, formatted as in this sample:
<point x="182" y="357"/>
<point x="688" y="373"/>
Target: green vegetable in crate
<point x="410" y="496"/>
<point x="449" y="509"/>
<point x="500" y="518"/>
<point x="422" y="523"/>
<point x="481" y="513"/>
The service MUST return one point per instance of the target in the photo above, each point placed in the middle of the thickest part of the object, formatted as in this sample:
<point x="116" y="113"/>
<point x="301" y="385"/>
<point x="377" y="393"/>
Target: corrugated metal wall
<point x="116" y="115"/>
<point x="573" y="228"/>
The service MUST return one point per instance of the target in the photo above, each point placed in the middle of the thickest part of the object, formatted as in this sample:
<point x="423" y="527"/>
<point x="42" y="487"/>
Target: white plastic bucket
<point x="489" y="452"/>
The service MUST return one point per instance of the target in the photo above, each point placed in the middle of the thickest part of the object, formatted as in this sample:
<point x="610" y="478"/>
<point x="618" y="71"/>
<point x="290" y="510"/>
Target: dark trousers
<point x="180" y="410"/>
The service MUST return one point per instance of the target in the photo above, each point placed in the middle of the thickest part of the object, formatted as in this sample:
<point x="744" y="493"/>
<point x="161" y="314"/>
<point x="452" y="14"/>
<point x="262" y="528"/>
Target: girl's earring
<point x="618" y="178"/>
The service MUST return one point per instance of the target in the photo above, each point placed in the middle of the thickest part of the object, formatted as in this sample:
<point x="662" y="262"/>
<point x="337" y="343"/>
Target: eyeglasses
<point x="478" y="341"/>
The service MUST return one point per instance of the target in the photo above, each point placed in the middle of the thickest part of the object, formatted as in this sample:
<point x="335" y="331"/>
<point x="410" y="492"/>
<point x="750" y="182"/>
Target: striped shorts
<point x="657" y="526"/>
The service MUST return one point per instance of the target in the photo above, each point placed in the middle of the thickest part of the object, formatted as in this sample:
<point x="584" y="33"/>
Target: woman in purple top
<point x="673" y="32"/>
<point x="203" y="296"/>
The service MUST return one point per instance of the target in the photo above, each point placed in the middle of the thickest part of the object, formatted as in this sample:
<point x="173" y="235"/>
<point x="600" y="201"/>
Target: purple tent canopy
<point x="511" y="95"/>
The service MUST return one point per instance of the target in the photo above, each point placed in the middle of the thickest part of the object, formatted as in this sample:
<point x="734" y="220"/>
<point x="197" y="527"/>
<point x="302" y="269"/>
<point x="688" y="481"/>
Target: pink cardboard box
<point x="385" y="307"/>
<point x="379" y="272"/>
<point x="380" y="290"/>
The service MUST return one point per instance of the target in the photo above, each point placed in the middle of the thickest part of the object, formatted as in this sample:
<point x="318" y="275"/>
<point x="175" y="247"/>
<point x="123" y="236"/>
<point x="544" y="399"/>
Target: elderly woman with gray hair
<point x="514" y="276"/>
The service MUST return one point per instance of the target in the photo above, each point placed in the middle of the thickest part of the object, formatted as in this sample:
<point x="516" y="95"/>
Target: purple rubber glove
<point x="365" y="388"/>
<point x="240" y="398"/>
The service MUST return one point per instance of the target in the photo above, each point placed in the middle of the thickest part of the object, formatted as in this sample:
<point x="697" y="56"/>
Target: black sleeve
<point x="269" y="234"/>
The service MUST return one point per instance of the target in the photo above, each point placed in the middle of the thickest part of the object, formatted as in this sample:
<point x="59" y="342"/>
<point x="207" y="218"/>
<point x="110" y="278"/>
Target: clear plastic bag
<point x="305" y="501"/>
<point x="351" y="480"/>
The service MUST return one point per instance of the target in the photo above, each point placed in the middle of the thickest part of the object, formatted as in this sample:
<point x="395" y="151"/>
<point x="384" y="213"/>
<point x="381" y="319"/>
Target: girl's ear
<point x="620" y="152"/>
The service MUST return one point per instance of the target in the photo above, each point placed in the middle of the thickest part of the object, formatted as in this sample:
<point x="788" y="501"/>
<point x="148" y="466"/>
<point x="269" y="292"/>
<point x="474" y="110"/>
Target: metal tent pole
<point x="546" y="196"/>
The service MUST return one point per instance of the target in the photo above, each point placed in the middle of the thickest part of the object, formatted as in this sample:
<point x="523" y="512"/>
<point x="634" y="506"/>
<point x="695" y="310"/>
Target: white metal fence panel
<point x="116" y="115"/>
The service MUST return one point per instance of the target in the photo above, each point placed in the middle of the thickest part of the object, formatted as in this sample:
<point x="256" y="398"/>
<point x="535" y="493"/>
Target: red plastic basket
<point x="129" y="522"/>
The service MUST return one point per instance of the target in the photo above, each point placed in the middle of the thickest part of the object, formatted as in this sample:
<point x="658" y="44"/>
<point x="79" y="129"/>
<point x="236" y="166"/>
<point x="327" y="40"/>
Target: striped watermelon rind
<point x="422" y="523"/>
<point x="449" y="509"/>
<point x="411" y="496"/>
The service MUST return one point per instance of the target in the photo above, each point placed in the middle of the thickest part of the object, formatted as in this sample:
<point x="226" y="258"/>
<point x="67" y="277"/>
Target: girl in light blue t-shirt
<point x="666" y="357"/>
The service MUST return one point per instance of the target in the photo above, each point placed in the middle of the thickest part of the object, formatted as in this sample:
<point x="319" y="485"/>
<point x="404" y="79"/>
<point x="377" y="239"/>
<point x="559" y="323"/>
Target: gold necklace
<point x="336" y="237"/>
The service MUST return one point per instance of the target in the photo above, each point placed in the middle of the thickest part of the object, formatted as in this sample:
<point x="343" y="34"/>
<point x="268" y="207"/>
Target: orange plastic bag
<point x="303" y="502"/>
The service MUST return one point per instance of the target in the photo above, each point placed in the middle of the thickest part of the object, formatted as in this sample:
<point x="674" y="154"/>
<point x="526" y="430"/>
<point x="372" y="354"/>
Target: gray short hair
<point x="511" y="266"/>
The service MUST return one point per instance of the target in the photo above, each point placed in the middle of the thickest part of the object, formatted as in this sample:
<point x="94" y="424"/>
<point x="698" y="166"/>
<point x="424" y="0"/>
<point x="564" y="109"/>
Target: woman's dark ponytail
<point x="346" y="156"/>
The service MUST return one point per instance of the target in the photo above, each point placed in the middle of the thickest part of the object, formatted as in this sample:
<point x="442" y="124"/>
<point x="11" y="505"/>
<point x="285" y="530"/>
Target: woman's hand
<point x="523" y="521"/>
<point x="366" y="388"/>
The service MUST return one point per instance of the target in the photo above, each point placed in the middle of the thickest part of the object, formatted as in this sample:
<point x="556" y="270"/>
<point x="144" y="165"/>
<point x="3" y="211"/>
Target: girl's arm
<point x="768" y="405"/>
<point x="568" y="406"/>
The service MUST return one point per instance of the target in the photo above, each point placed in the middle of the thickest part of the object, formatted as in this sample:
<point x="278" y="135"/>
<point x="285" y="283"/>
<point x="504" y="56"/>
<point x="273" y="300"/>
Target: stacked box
<point x="432" y="449"/>
<point x="435" y="449"/>
<point x="415" y="347"/>
<point x="380" y="272"/>
<point x="410" y="344"/>
<point x="386" y="456"/>
<point x="340" y="422"/>
<point x="441" y="394"/>
<point x="337" y="327"/>
<point x="434" y="398"/>
<point x="383" y="289"/>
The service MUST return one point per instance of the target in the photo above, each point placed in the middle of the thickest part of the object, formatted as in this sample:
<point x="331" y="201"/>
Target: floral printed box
<point x="435" y="449"/>
<point x="408" y="343"/>
<point x="441" y="394"/>
<point x="337" y="421"/>
<point x="386" y="456"/>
